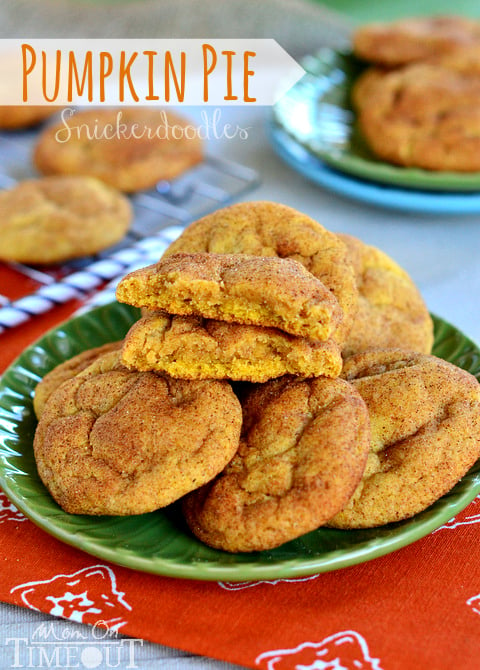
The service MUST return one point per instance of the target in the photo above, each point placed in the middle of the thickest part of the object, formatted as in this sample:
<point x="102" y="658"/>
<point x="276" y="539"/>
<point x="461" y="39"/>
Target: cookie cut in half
<point x="270" y="229"/>
<point x="254" y="290"/>
<point x="116" y="442"/>
<point x="425" y="423"/>
<point x="302" y="453"/>
<point x="190" y="347"/>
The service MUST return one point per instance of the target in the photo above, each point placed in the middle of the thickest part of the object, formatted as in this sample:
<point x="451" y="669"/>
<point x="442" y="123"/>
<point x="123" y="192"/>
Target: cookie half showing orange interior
<point x="190" y="347"/>
<point x="271" y="229"/>
<point x="303" y="450"/>
<point x="254" y="290"/>
<point x="66" y="370"/>
<point x="425" y="422"/>
<point x="116" y="442"/>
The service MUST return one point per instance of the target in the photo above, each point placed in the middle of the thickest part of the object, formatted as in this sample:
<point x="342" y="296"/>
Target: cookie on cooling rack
<point x="54" y="219"/>
<point x="153" y="145"/>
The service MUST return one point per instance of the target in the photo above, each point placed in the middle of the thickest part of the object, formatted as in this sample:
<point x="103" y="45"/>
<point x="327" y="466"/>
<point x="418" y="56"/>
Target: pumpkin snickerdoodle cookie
<point x="190" y="347"/>
<point x="271" y="229"/>
<point x="113" y="441"/>
<point x="66" y="370"/>
<point x="423" y="115"/>
<point x="254" y="290"/>
<point x="53" y="219"/>
<point x="129" y="148"/>
<point x="302" y="452"/>
<point x="391" y="311"/>
<point x="425" y="424"/>
<point x="16" y="117"/>
<point x="413" y="39"/>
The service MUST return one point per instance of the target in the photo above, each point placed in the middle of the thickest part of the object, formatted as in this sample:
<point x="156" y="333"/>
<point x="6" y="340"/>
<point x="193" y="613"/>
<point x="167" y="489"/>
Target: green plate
<point x="160" y="542"/>
<point x="317" y="113"/>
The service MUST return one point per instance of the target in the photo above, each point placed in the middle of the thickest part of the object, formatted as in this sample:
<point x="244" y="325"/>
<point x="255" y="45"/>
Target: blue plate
<point x="310" y="166"/>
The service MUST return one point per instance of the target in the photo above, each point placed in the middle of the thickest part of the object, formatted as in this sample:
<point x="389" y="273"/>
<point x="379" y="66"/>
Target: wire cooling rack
<point x="159" y="217"/>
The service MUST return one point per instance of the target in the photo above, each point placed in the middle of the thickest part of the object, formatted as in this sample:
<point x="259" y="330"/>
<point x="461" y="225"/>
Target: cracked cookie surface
<point x="391" y="311"/>
<point x="425" y="423"/>
<point x="54" y="219"/>
<point x="424" y="115"/>
<point x="116" y="442"/>
<point x="271" y="229"/>
<point x="302" y="452"/>
<point x="129" y="148"/>
<point x="189" y="347"/>
<point x="66" y="370"/>
<point x="260" y="291"/>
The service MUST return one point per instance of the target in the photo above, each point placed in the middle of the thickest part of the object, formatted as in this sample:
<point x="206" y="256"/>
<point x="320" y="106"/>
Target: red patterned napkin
<point x="418" y="607"/>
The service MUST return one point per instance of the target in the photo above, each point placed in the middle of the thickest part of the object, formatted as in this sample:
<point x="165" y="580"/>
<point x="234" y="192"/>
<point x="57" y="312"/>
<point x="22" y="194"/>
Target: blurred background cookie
<point x="113" y="441"/>
<point x="129" y="148"/>
<point x="15" y="117"/>
<point x="271" y="229"/>
<point x="391" y="311"/>
<point x="53" y="219"/>
<point x="303" y="450"/>
<point x="423" y="115"/>
<point x="190" y="347"/>
<point x="425" y="425"/>
<point x="413" y="39"/>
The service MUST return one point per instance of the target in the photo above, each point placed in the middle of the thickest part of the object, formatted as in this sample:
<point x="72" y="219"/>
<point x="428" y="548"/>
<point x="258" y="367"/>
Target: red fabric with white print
<point x="416" y="608"/>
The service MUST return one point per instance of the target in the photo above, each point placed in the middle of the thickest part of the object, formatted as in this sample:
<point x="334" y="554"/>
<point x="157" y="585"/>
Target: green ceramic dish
<point x="317" y="112"/>
<point x="160" y="542"/>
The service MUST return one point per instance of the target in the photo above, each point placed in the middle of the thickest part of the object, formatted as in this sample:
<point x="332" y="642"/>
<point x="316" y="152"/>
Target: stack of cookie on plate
<point x="279" y="379"/>
<point x="418" y="105"/>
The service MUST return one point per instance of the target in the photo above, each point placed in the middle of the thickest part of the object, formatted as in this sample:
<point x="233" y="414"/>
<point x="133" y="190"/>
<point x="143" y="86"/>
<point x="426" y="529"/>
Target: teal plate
<point x="317" y="113"/>
<point x="160" y="542"/>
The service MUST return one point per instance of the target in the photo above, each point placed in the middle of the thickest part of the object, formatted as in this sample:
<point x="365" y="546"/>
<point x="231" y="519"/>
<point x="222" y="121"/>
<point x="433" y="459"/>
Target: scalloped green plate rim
<point x="160" y="543"/>
<point x="337" y="140"/>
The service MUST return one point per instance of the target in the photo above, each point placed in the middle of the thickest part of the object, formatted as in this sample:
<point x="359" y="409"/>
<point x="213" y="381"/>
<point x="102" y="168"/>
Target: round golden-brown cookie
<point x="366" y="85"/>
<point x="425" y="423"/>
<point x="391" y="311"/>
<point x="66" y="370"/>
<point x="53" y="219"/>
<point x="129" y="148"/>
<point x="271" y="229"/>
<point x="423" y="115"/>
<point x="413" y="39"/>
<point x="255" y="290"/>
<point x="189" y="347"/>
<point x="112" y="441"/>
<point x="15" y="117"/>
<point x="302" y="452"/>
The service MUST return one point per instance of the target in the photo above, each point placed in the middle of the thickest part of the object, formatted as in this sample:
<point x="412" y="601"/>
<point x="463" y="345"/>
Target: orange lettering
<point x="180" y="89"/>
<point x="208" y="69"/>
<point x="125" y="73"/>
<point x="106" y="68"/>
<point x="26" y="48"/>
<point x="73" y="75"/>
<point x="246" y="74"/>
<point x="58" y="60"/>
<point x="150" y="55"/>
<point x="229" y="55"/>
